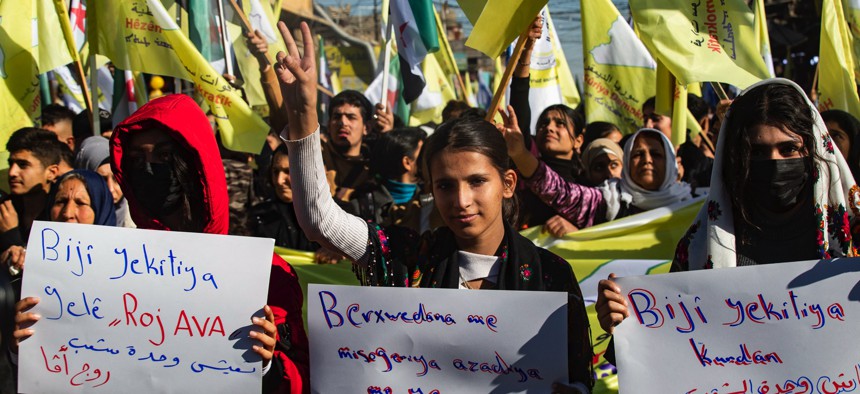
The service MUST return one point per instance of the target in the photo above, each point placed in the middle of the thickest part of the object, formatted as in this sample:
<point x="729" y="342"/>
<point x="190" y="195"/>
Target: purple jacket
<point x="581" y="205"/>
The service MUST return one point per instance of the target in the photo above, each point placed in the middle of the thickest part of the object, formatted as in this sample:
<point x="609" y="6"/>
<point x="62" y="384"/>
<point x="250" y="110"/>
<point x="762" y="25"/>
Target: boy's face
<point x="346" y="126"/>
<point x="27" y="173"/>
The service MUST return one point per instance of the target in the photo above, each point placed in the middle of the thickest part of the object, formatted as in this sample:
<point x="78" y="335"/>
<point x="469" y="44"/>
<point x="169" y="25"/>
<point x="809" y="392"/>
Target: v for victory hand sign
<point x="298" y="76"/>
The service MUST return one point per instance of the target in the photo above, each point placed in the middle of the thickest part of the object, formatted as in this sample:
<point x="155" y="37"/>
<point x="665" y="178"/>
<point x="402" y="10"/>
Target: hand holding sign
<point x="115" y="304"/>
<point x="779" y="328"/>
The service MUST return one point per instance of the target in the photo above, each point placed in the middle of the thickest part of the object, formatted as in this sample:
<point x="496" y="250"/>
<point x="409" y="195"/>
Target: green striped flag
<point x="416" y="36"/>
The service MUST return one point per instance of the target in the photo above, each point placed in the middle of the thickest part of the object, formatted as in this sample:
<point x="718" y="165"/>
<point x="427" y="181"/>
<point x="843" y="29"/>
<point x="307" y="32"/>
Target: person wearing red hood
<point x="166" y="160"/>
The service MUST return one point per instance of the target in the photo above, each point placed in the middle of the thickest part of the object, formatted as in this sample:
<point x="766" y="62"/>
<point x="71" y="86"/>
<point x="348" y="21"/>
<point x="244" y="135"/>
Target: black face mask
<point x="156" y="188"/>
<point x="778" y="184"/>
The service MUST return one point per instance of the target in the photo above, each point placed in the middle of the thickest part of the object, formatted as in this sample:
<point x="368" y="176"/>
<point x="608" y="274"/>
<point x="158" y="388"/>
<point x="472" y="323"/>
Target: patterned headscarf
<point x="710" y="241"/>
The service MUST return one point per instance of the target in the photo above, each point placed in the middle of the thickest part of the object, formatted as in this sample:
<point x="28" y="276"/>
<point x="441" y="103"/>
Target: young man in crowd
<point x="345" y="152"/>
<point x="34" y="163"/>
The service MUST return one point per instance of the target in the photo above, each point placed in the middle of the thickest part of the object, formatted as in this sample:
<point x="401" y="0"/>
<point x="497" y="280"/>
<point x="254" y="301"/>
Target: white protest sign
<point x="777" y="328"/>
<point x="379" y="340"/>
<point x="141" y="311"/>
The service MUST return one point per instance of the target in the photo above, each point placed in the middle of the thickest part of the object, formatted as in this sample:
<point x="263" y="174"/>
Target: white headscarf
<point x="710" y="241"/>
<point x="616" y="192"/>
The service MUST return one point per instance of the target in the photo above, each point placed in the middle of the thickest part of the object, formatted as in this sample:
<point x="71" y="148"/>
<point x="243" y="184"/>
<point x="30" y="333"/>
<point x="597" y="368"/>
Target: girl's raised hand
<point x="511" y="131"/>
<point x="298" y="77"/>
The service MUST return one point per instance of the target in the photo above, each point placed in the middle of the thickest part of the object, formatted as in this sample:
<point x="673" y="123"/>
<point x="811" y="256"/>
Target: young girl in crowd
<point x="473" y="186"/>
<point x="276" y="218"/>
<point x="779" y="192"/>
<point x="649" y="179"/>
<point x="603" y="160"/>
<point x="844" y="128"/>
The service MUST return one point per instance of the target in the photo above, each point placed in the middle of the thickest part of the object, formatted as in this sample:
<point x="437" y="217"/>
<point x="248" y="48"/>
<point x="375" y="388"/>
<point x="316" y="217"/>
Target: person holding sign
<point x="779" y="192"/>
<point x="468" y="170"/>
<point x="166" y="160"/>
<point x="171" y="172"/>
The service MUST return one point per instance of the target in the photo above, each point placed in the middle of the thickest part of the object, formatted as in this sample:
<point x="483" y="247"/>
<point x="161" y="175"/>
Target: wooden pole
<point x="386" y="64"/>
<point x="814" y="93"/>
<point x="509" y="72"/>
<point x="246" y="24"/>
<point x="88" y="98"/>
<point x="62" y="12"/>
<point x="718" y="89"/>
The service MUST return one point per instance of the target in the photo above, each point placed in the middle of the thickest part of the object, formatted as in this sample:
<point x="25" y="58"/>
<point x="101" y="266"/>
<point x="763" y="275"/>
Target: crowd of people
<point x="437" y="206"/>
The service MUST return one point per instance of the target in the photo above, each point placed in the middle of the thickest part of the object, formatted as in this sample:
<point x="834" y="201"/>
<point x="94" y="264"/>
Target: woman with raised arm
<point x="779" y="192"/>
<point x="649" y="179"/>
<point x="473" y="185"/>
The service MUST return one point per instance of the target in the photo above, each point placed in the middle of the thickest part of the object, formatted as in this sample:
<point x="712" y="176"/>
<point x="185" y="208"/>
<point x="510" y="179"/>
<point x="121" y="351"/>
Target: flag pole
<point x="386" y="65"/>
<point x="386" y="57"/>
<point x="93" y="40"/>
<point x="225" y="39"/>
<point x="813" y="94"/>
<point x="246" y="24"/>
<point x="718" y="89"/>
<point x="509" y="72"/>
<point x="65" y="24"/>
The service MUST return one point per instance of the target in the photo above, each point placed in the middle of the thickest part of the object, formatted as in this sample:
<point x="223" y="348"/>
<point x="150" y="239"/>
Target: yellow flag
<point x="19" y="81"/>
<point x="260" y="17"/>
<point x="32" y="42"/>
<point x="550" y="79"/>
<point x="56" y="44"/>
<point x="708" y="40"/>
<point x="762" y="38"/>
<point x="241" y="129"/>
<point x="498" y="72"/>
<point x="851" y="9"/>
<point x="471" y="97"/>
<point x="671" y="101"/>
<point x="619" y="72"/>
<point x="496" y="23"/>
<point x="445" y="57"/>
<point x="128" y="34"/>
<point x="836" y="84"/>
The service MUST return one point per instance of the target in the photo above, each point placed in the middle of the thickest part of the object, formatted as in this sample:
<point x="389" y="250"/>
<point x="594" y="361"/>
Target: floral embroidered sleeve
<point x="386" y="267"/>
<point x="580" y="205"/>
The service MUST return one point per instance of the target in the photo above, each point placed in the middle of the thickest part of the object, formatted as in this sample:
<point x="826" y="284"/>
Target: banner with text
<point x="779" y="328"/>
<point x="142" y="311"/>
<point x="405" y="340"/>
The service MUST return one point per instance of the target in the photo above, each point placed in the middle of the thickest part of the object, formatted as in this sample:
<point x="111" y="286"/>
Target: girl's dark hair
<point x="851" y="126"/>
<point x="386" y="157"/>
<point x="596" y="130"/>
<point x="574" y="119"/>
<point x="775" y="105"/>
<point x="472" y="135"/>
